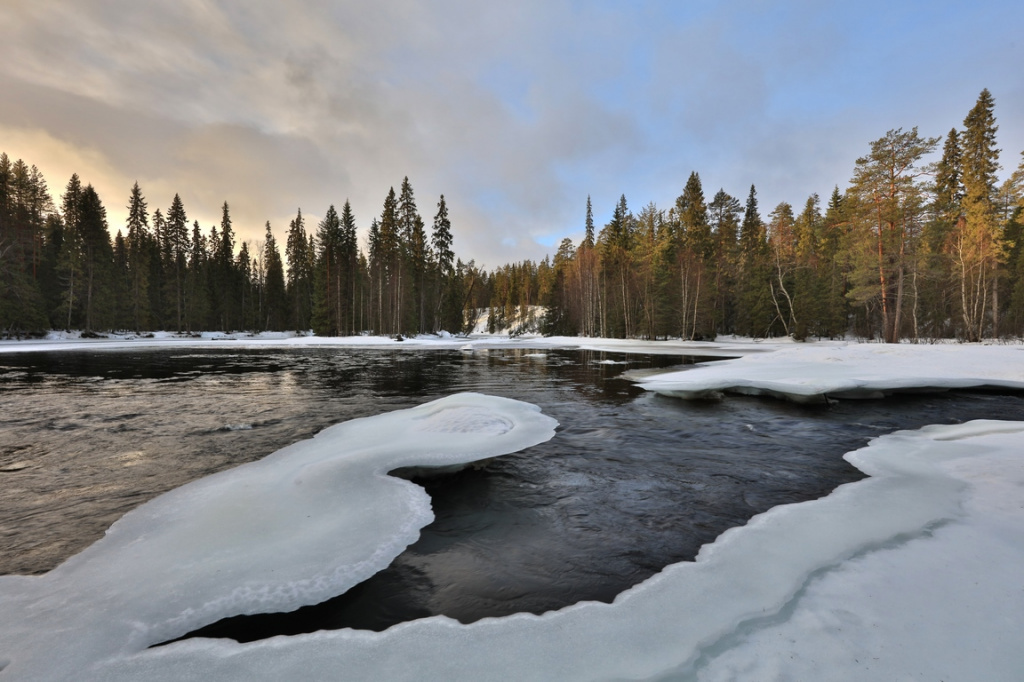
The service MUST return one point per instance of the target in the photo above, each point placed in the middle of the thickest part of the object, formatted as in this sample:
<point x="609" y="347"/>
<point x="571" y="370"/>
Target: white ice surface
<point x="295" y="528"/>
<point x="809" y="373"/>
<point x="913" y="573"/>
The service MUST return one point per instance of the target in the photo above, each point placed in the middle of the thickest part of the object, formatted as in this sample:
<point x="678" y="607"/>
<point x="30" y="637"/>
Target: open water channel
<point x="632" y="481"/>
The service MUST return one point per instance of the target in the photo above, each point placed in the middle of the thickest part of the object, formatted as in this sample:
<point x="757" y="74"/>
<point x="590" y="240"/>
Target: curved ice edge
<point x="811" y="395"/>
<point x="658" y="626"/>
<point x="301" y="525"/>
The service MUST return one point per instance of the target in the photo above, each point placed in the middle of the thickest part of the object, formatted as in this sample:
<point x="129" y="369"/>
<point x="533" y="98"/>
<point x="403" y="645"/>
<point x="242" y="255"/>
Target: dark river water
<point x="632" y="481"/>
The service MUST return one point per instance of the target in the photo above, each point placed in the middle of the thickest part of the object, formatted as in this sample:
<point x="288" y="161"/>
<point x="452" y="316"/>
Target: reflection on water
<point x="631" y="482"/>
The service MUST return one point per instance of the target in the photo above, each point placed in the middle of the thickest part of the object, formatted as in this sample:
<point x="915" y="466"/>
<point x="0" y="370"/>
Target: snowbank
<point x="57" y="341"/>
<point x="812" y="373"/>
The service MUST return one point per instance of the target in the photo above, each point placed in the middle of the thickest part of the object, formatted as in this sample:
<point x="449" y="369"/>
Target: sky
<point x="516" y="112"/>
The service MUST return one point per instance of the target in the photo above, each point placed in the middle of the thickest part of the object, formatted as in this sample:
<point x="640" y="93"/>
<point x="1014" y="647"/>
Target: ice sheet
<point x="891" y="576"/>
<point x="810" y="373"/>
<point x="302" y="525"/>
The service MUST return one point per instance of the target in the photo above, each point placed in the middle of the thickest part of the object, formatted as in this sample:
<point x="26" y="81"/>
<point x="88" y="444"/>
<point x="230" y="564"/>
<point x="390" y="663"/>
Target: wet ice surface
<point x="630" y="484"/>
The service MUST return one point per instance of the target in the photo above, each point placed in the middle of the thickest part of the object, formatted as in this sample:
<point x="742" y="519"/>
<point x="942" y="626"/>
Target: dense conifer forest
<point x="910" y="250"/>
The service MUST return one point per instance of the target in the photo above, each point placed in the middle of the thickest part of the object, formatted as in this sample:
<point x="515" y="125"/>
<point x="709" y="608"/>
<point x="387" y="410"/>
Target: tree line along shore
<point x="909" y="250"/>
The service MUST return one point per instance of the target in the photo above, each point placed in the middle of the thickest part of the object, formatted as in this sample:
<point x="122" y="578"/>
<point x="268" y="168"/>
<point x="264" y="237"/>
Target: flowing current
<point x="632" y="482"/>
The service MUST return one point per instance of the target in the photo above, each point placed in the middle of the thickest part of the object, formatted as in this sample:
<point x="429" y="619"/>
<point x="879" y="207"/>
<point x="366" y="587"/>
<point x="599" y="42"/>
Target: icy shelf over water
<point x="295" y="528"/>
<point x="912" y="572"/>
<point x="812" y="373"/>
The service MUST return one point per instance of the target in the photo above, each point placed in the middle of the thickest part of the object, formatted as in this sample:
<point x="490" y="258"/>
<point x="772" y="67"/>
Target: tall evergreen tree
<point x="890" y="200"/>
<point x="300" y="273"/>
<point x="136" y="258"/>
<point x="276" y="305"/>
<point x="447" y="311"/>
<point x="724" y="213"/>
<point x="97" y="259"/>
<point x="69" y="266"/>
<point x="694" y="248"/>
<point x="349" y="260"/>
<point x="196" y="285"/>
<point x="754" y="316"/>
<point x="978" y="245"/>
<point x="178" y="243"/>
<point x="328" y="277"/>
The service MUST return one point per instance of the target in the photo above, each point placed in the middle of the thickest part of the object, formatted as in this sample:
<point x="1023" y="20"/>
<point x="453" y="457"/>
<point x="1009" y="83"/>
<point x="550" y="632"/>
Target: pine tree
<point x="754" y="316"/>
<point x="326" y="317"/>
<point x="300" y="273"/>
<point x="978" y="246"/>
<point x="136" y="261"/>
<point x="834" y="243"/>
<point x="276" y="295"/>
<point x="724" y="211"/>
<point x="69" y="266"/>
<point x="25" y="206"/>
<point x="390" y="263"/>
<point x="416" y="255"/>
<point x="694" y="250"/>
<point x="196" y="299"/>
<point x="891" y="204"/>
<point x="224" y="275"/>
<point x="155" y="252"/>
<point x="97" y="259"/>
<point x="178" y="242"/>
<point x="349" y="261"/>
<point x="447" y="313"/>
<point x="122" y="283"/>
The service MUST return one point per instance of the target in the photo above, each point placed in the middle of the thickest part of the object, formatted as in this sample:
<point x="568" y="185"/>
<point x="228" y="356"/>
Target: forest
<point x="910" y="250"/>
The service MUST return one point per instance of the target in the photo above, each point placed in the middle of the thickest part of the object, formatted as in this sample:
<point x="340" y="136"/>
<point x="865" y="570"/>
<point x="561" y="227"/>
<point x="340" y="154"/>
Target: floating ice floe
<point x="812" y="374"/>
<point x="914" y="571"/>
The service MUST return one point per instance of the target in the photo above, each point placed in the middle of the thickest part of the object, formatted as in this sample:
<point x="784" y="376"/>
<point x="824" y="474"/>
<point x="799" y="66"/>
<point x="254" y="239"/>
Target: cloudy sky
<point x="514" y="111"/>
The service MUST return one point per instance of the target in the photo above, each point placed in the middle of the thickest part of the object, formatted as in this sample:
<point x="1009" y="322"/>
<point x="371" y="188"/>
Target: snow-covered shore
<point x="813" y="373"/>
<point x="57" y="341"/>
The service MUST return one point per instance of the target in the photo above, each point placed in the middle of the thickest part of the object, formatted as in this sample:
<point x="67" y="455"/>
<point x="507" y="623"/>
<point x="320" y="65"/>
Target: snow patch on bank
<point x="812" y="374"/>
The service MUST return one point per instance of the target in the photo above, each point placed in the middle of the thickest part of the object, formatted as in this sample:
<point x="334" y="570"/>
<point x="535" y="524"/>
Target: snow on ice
<point x="812" y="373"/>
<point x="915" y="570"/>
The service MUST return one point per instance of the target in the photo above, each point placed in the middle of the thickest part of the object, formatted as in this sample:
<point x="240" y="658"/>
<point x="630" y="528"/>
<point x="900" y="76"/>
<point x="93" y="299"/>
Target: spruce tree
<point x="300" y="273"/>
<point x="979" y="247"/>
<point x="178" y="242"/>
<point x="136" y="261"/>
<point x="328" y="277"/>
<point x="694" y="252"/>
<point x="97" y="259"/>
<point x="446" y="310"/>
<point x="276" y="298"/>
<point x="753" y="302"/>
<point x="69" y="264"/>
<point x="724" y="214"/>
<point x="196" y="299"/>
